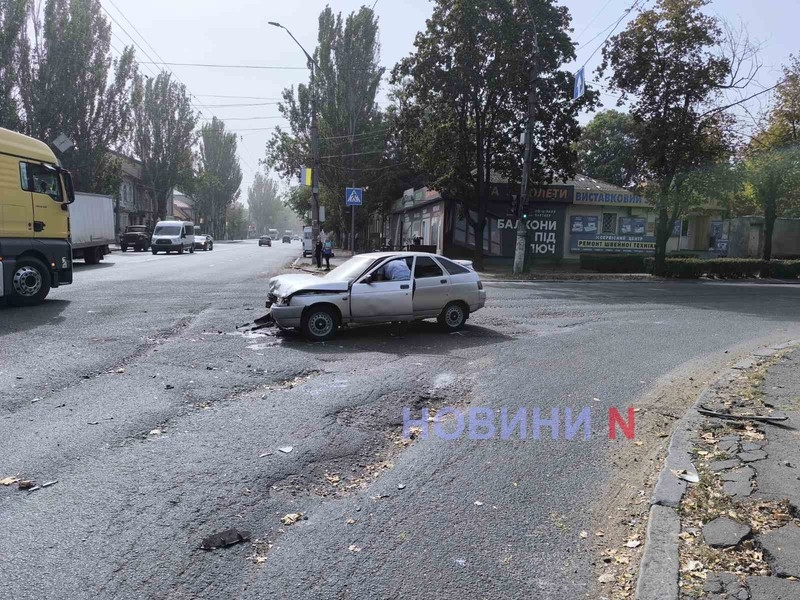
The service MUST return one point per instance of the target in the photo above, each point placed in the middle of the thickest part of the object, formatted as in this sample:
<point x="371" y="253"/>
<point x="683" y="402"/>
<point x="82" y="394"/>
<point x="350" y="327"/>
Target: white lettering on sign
<point x="543" y="248"/>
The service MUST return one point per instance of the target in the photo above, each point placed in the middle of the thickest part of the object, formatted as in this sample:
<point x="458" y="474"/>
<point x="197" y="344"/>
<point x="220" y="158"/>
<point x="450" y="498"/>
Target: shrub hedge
<point x="729" y="268"/>
<point x="693" y="268"/>
<point x="613" y="263"/>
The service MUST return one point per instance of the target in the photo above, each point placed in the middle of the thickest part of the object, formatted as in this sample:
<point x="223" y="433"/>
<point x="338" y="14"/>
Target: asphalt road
<point x="162" y="425"/>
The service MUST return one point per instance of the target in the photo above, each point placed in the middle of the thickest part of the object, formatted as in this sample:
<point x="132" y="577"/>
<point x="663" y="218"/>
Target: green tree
<point x="462" y="99"/>
<point x="69" y="84"/>
<point x="672" y="63"/>
<point x="12" y="22"/>
<point x="606" y="148"/>
<point x="236" y="223"/>
<point x="219" y="175"/>
<point x="352" y="128"/>
<point x="264" y="206"/>
<point x="163" y="136"/>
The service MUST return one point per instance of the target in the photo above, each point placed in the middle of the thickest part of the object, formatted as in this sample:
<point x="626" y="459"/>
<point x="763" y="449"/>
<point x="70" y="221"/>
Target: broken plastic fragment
<point x="226" y="538"/>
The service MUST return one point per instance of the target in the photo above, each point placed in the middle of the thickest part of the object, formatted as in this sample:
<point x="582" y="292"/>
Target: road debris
<point x="292" y="518"/>
<point x="26" y="484"/>
<point x="354" y="548"/>
<point x="10" y="480"/>
<point x="226" y="538"/>
<point x="749" y="417"/>
<point x="401" y="486"/>
<point x="49" y="483"/>
<point x="690" y="476"/>
<point x="286" y="449"/>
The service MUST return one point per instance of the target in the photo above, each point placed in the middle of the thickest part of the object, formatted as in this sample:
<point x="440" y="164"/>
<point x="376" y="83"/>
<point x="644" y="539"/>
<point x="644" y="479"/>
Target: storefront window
<point x="610" y="223"/>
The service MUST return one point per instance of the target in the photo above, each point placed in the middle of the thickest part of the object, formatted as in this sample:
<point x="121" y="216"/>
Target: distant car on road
<point x="286" y="239"/>
<point x="203" y="241"/>
<point x="265" y="240"/>
<point x="374" y="288"/>
<point x="136" y="237"/>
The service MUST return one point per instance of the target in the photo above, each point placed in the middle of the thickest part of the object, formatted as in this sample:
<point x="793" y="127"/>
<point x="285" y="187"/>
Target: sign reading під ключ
<point x="354" y="196"/>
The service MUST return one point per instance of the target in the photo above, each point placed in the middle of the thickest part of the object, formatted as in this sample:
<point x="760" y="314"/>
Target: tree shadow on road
<point x="420" y="337"/>
<point x="15" y="320"/>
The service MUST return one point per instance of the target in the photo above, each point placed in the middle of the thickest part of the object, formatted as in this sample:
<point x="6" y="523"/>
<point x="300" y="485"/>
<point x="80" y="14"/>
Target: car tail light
<point x="480" y="284"/>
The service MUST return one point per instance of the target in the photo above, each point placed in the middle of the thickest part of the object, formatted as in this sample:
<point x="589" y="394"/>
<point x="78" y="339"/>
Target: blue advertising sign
<point x="354" y="196"/>
<point x="589" y="243"/>
<point x="580" y="224"/>
<point x="632" y="225"/>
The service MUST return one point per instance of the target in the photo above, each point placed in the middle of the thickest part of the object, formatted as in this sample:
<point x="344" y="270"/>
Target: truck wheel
<point x="91" y="255"/>
<point x="180" y="250"/>
<point x="30" y="282"/>
<point x="123" y="248"/>
<point x="319" y="323"/>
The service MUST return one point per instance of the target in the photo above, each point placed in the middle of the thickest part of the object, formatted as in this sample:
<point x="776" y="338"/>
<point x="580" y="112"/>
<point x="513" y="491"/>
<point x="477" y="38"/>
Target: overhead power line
<point x="216" y="66"/>
<point x="237" y="97"/>
<point x="613" y="28"/>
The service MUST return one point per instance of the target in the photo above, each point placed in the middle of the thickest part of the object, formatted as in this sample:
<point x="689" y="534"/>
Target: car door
<point x="431" y="287"/>
<point x="375" y="301"/>
<point x="16" y="206"/>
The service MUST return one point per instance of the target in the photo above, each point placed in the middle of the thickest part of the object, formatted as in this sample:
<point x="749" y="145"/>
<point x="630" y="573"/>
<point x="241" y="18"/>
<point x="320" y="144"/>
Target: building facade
<point x="562" y="221"/>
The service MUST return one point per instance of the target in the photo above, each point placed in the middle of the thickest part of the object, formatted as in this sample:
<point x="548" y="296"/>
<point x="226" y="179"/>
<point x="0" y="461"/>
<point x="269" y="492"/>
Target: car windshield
<point x="351" y="269"/>
<point x="167" y="230"/>
<point x="137" y="229"/>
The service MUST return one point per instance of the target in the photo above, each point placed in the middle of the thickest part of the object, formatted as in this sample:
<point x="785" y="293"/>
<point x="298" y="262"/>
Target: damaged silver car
<point x="374" y="288"/>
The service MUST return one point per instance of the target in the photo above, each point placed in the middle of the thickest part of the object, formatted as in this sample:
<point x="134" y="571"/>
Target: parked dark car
<point x="136" y="237"/>
<point x="265" y="240"/>
<point x="203" y="241"/>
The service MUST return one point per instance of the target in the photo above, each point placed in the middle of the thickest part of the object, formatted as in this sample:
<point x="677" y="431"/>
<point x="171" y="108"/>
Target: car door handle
<point x="443" y="281"/>
<point x="38" y="225"/>
<point x="404" y="286"/>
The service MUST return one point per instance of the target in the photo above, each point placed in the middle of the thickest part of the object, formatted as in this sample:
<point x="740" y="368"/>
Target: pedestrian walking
<point x="327" y="252"/>
<point x="318" y="254"/>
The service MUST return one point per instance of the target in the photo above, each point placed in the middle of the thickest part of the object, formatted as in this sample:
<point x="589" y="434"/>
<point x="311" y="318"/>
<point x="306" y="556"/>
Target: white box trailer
<point x="91" y="221"/>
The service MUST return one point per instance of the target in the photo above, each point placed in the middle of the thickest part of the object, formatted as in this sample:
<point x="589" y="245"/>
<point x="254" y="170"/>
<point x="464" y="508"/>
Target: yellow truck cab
<point x="35" y="253"/>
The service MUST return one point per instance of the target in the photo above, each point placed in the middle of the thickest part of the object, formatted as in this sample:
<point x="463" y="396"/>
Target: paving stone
<point x="728" y="446"/>
<point x="724" y="532"/>
<point x="750" y="446"/>
<point x="713" y="585"/>
<point x="743" y="474"/>
<point x="773" y="588"/>
<point x="737" y="489"/>
<point x="782" y="548"/>
<point x="722" y="465"/>
<point x="752" y="456"/>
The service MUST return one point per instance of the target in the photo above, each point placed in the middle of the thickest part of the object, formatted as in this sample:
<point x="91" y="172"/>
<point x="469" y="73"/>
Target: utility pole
<point x="315" y="163"/>
<point x="519" y="251"/>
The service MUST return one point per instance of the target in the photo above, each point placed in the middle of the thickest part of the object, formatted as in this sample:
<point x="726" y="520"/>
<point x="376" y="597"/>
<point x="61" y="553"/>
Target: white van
<point x="173" y="235"/>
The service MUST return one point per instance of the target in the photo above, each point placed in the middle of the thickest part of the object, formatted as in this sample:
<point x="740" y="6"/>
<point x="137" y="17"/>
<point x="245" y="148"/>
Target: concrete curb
<point x="658" y="569"/>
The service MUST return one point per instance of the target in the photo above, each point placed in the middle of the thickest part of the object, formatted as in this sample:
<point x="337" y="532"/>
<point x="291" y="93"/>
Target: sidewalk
<point x="725" y="514"/>
<point x="306" y="263"/>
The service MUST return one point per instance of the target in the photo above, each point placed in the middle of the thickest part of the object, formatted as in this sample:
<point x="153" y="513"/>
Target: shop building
<point x="562" y="220"/>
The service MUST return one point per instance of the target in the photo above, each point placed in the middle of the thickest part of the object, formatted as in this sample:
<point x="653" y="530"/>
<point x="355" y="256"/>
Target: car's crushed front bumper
<point x="283" y="315"/>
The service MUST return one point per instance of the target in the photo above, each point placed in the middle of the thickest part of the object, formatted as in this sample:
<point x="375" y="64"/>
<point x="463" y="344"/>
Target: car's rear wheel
<point x="319" y="323"/>
<point x="454" y="316"/>
<point x="30" y="282"/>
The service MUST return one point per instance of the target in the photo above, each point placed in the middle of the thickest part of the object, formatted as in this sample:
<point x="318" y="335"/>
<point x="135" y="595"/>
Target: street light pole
<point x="519" y="251"/>
<point x="315" y="164"/>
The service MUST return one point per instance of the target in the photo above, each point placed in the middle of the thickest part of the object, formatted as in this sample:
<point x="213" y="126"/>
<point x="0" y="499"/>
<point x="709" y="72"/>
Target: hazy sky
<point x="235" y="32"/>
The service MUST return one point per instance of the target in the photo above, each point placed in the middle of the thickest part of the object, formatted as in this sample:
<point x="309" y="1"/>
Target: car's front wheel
<point x="319" y="323"/>
<point x="453" y="316"/>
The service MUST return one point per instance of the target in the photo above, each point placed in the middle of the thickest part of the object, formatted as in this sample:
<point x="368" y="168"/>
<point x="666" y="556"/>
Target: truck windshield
<point x="167" y="230"/>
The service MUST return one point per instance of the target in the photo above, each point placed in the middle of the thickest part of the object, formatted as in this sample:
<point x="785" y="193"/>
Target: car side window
<point x="426" y="267"/>
<point x="394" y="270"/>
<point x="453" y="268"/>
